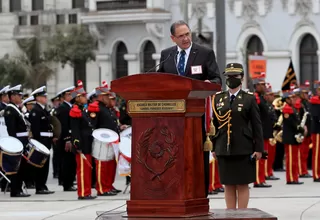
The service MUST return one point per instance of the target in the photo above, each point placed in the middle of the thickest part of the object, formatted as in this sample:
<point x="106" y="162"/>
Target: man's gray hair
<point x="176" y="24"/>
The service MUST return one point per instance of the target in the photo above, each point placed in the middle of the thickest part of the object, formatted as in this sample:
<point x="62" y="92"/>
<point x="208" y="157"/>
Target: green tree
<point x="76" y="48"/>
<point x="11" y="73"/>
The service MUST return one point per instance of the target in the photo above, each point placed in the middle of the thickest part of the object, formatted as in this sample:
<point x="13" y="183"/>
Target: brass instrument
<point x="300" y="137"/>
<point x="278" y="104"/>
<point x="55" y="124"/>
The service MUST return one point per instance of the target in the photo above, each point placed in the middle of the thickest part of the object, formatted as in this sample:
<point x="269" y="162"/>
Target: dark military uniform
<point x="315" y="133"/>
<point x="68" y="161"/>
<point x="16" y="127"/>
<point x="106" y="118"/>
<point x="239" y="136"/>
<point x="42" y="132"/>
<point x="291" y="127"/>
<point x="3" y="182"/>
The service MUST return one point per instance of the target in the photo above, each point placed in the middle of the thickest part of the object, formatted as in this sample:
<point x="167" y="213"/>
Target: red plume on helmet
<point x="79" y="83"/>
<point x="103" y="89"/>
<point x="307" y="83"/>
<point x="105" y="84"/>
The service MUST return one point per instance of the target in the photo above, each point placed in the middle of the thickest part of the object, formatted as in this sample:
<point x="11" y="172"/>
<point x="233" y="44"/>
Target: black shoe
<point x="262" y="185"/>
<point x="212" y="193"/>
<point x="30" y="186"/>
<point x="219" y="190"/>
<point x="87" y="197"/>
<point x="294" y="183"/>
<point x="110" y="193"/>
<point x="21" y="194"/>
<point x="317" y="180"/>
<point x="44" y="192"/>
<point x="279" y="170"/>
<point x="272" y="178"/>
<point x="307" y="175"/>
<point x="70" y="189"/>
<point x="116" y="190"/>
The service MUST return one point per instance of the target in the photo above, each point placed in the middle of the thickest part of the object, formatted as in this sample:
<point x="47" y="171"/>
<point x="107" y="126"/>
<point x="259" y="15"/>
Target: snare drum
<point x="124" y="162"/>
<point x="126" y="132"/>
<point x="38" y="153"/>
<point x="10" y="154"/>
<point x="102" y="144"/>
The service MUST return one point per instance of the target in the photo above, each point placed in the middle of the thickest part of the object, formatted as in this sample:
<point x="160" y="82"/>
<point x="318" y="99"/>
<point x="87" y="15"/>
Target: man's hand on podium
<point x="208" y="81"/>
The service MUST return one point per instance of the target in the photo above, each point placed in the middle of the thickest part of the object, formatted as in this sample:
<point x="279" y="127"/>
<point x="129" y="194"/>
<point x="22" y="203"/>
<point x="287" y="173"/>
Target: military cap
<point x="78" y="91"/>
<point x="39" y="92"/>
<point x="103" y="90"/>
<point x="233" y="69"/>
<point x="287" y="94"/>
<point x="91" y="94"/>
<point x="305" y="87"/>
<point x="4" y="90"/>
<point x="29" y="100"/>
<point x="260" y="79"/>
<point x="15" y="90"/>
<point x="55" y="98"/>
<point x="112" y="95"/>
<point x="63" y="91"/>
<point x="316" y="84"/>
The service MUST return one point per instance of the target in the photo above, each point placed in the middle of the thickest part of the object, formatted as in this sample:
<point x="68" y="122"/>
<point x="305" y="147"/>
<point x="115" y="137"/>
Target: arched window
<point x="146" y="60"/>
<point x="308" y="59"/>
<point x="121" y="63"/>
<point x="254" y="46"/>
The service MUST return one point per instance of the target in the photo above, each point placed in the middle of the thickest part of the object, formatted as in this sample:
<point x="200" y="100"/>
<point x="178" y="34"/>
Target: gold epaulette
<point x="250" y="93"/>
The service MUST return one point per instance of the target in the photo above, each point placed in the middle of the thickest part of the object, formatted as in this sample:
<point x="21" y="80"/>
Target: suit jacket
<point x="39" y="119"/>
<point x="62" y="113"/>
<point x="15" y="123"/>
<point x="199" y="56"/>
<point x="246" y="134"/>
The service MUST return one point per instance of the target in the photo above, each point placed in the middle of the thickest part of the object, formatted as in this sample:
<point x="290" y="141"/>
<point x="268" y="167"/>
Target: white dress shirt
<point x="186" y="56"/>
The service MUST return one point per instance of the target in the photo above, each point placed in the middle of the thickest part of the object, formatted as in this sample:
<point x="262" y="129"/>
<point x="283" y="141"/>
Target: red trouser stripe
<point x="270" y="160"/>
<point x="303" y="156"/>
<point x="214" y="179"/>
<point x="106" y="172"/>
<point x="261" y="166"/>
<point x="316" y="156"/>
<point x="292" y="170"/>
<point x="84" y="172"/>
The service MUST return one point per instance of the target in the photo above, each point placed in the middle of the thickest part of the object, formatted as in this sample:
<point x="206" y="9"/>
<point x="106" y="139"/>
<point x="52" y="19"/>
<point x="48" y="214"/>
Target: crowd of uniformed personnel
<point x="291" y="132"/>
<point x="67" y="128"/>
<point x="290" y="123"/>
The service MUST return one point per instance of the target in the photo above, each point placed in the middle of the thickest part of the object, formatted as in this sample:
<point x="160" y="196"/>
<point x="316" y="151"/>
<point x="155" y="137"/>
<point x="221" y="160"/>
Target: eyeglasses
<point x="181" y="37"/>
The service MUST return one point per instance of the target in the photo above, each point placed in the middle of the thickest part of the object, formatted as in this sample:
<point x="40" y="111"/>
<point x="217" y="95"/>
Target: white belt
<point x="46" y="134"/>
<point x="22" y="134"/>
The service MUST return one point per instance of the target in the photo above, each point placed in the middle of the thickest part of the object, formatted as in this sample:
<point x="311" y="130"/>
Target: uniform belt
<point x="46" y="134"/>
<point x="22" y="134"/>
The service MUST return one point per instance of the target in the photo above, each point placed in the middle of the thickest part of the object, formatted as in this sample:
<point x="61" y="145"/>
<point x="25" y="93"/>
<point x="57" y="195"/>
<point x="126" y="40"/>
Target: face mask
<point x="233" y="82"/>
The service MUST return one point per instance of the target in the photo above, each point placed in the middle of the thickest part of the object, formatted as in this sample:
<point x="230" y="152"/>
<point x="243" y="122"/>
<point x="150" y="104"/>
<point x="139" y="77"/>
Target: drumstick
<point x="25" y="157"/>
<point x="86" y="160"/>
<point x="4" y="176"/>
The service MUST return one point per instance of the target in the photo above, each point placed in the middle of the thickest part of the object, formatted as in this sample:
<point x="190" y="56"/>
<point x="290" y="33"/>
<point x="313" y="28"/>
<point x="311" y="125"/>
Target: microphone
<point x="160" y="63"/>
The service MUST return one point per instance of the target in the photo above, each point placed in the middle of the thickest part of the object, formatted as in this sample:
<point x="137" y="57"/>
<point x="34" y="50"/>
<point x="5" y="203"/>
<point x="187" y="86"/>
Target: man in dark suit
<point x="42" y="131"/>
<point x="67" y="157"/>
<point x="190" y="60"/>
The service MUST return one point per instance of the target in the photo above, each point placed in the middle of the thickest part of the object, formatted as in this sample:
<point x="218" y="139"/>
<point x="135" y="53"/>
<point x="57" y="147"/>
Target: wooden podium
<point x="167" y="147"/>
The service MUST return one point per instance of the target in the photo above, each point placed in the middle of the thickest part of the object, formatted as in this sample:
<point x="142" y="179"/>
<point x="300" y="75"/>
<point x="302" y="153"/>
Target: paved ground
<point x="285" y="202"/>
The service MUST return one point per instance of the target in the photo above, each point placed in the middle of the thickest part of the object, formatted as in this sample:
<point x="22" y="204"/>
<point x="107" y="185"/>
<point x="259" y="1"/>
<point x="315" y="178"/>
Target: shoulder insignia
<point x="250" y="93"/>
<point x="286" y="115"/>
<point x="220" y="92"/>
<point x="93" y="115"/>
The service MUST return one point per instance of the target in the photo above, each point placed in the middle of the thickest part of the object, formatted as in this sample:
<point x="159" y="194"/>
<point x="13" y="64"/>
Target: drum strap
<point x="20" y="113"/>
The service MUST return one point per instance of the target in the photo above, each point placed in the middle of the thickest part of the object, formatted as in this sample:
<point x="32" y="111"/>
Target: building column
<point x="133" y="63"/>
<point x="105" y="65"/>
<point x="92" y="5"/>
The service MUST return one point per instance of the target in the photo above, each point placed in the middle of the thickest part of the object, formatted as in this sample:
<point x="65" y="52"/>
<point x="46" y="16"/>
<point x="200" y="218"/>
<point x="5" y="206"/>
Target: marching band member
<point x="29" y="103"/>
<point x="302" y="107"/>
<point x="67" y="157"/>
<point x="81" y="132"/>
<point x="17" y="127"/>
<point x="290" y="129"/>
<point x="4" y="100"/>
<point x="315" y="132"/>
<point x="237" y="145"/>
<point x="105" y="119"/>
<point x="267" y="125"/>
<point x="41" y="131"/>
<point x="56" y="157"/>
<point x="92" y="97"/>
<point x="269" y="97"/>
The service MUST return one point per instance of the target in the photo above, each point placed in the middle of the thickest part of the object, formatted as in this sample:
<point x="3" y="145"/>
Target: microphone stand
<point x="160" y="63"/>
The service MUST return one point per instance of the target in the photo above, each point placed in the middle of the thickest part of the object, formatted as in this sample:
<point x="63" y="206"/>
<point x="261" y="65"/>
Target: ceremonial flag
<point x="290" y="78"/>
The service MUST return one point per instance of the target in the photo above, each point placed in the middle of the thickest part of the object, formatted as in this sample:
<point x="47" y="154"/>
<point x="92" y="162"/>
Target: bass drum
<point x="10" y="154"/>
<point x="102" y="148"/>
<point x="124" y="161"/>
